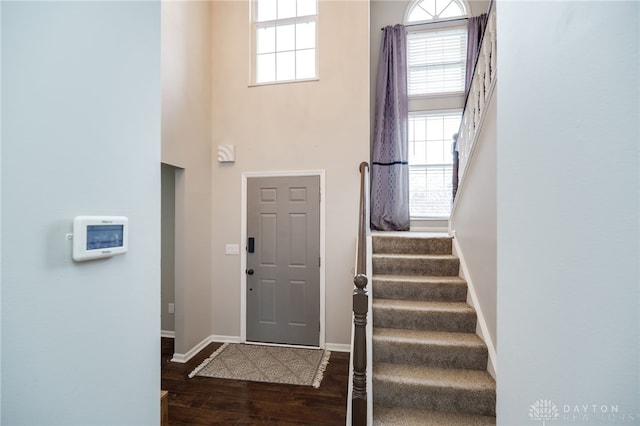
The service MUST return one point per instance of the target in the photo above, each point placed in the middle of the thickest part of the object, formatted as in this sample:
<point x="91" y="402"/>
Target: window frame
<point x="254" y="27"/>
<point x="436" y="112"/>
<point x="436" y="103"/>
<point x="431" y="28"/>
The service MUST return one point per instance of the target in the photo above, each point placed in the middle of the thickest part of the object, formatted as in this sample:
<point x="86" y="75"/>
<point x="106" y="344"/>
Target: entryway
<point x="283" y="260"/>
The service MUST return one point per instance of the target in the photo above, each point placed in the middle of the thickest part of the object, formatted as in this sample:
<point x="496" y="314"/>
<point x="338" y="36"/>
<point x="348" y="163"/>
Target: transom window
<point x="427" y="10"/>
<point x="285" y="40"/>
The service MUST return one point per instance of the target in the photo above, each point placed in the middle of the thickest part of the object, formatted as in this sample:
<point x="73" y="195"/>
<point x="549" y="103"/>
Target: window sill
<point x="437" y="95"/>
<point x="272" y="83"/>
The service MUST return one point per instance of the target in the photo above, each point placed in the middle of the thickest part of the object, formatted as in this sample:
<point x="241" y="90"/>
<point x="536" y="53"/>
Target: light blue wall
<point x="80" y="135"/>
<point x="568" y="204"/>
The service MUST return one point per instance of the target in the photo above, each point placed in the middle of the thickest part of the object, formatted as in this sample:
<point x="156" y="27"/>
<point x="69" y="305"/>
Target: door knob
<point x="250" y="271"/>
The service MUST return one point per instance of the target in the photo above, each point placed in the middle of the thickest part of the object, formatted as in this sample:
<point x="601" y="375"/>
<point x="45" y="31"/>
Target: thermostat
<point x="95" y="237"/>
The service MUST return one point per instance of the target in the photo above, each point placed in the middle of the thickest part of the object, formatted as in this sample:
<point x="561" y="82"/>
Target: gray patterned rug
<point x="274" y="364"/>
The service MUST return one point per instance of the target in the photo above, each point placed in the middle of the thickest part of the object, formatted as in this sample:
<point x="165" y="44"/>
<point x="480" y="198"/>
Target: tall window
<point x="436" y="61"/>
<point x="285" y="40"/>
<point x="430" y="163"/>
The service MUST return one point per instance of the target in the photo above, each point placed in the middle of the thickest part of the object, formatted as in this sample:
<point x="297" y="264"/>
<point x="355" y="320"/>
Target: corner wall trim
<point x="482" y="323"/>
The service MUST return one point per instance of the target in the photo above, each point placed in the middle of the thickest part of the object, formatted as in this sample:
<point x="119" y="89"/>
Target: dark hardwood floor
<point x="209" y="401"/>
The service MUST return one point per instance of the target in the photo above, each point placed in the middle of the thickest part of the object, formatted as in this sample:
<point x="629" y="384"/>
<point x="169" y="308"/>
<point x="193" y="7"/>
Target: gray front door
<point x="283" y="260"/>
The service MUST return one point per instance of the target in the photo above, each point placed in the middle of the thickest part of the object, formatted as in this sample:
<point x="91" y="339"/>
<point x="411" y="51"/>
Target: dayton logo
<point x="544" y="410"/>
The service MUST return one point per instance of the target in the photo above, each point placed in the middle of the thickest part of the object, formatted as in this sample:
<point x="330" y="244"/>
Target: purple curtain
<point x="475" y="29"/>
<point x="390" y="168"/>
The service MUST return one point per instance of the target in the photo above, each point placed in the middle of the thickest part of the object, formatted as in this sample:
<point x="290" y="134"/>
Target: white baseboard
<point x="225" y="339"/>
<point x="482" y="329"/>
<point x="167" y="333"/>
<point x="183" y="358"/>
<point x="337" y="347"/>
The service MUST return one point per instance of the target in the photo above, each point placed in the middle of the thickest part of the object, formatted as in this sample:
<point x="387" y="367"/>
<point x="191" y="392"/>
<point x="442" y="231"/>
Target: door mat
<point x="273" y="364"/>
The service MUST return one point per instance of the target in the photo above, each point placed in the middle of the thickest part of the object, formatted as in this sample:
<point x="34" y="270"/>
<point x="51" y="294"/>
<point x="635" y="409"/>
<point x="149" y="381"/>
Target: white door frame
<point x="243" y="251"/>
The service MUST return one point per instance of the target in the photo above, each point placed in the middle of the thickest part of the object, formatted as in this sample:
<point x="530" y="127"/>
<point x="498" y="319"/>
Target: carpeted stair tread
<point x="433" y="377"/>
<point x="411" y="287"/>
<point x="453" y="280"/>
<point x="432" y="338"/>
<point x="429" y="348"/>
<point x="416" y="245"/>
<point x="389" y="416"/>
<point x="426" y="257"/>
<point x="438" y="389"/>
<point x="416" y="315"/>
<point x="421" y="306"/>
<point x="415" y="264"/>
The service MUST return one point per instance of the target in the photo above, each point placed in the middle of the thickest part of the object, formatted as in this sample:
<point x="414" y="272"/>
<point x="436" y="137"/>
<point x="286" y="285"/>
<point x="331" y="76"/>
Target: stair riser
<point x="407" y="266"/>
<point x="464" y="322"/>
<point x="432" y="292"/>
<point x="469" y="358"/>
<point x="470" y="401"/>
<point x="412" y="245"/>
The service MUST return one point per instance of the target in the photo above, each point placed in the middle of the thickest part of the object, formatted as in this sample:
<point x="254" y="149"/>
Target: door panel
<point x="283" y="274"/>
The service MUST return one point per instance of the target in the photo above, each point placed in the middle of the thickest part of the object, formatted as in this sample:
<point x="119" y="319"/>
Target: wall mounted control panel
<point x="96" y="237"/>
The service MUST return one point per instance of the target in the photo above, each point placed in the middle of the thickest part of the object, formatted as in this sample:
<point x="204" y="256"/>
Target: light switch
<point x="232" y="249"/>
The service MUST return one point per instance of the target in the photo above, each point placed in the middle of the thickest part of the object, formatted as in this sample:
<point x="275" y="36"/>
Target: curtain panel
<point x="475" y="30"/>
<point x="390" y="168"/>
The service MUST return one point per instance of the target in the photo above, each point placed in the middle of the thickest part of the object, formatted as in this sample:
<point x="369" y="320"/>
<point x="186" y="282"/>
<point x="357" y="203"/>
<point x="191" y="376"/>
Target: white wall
<point x="302" y="126"/>
<point x="186" y="143"/>
<point x="568" y="208"/>
<point x="474" y="221"/>
<point x="80" y="135"/>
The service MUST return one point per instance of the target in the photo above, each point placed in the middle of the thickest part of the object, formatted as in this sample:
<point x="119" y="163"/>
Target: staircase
<point x="429" y="366"/>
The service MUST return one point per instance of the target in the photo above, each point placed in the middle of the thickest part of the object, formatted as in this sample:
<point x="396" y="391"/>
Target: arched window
<point x="430" y="10"/>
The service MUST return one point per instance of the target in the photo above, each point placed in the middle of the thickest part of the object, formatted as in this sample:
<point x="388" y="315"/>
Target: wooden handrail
<point x="360" y="311"/>
<point x="361" y="265"/>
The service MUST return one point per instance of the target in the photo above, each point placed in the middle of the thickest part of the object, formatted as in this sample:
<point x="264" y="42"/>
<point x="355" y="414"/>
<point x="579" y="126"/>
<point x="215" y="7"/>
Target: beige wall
<point x="186" y="143"/>
<point x="318" y="125"/>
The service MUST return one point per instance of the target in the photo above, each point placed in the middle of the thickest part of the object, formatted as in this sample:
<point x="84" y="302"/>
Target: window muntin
<point x="285" y="40"/>
<point x="429" y="10"/>
<point x="431" y="162"/>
